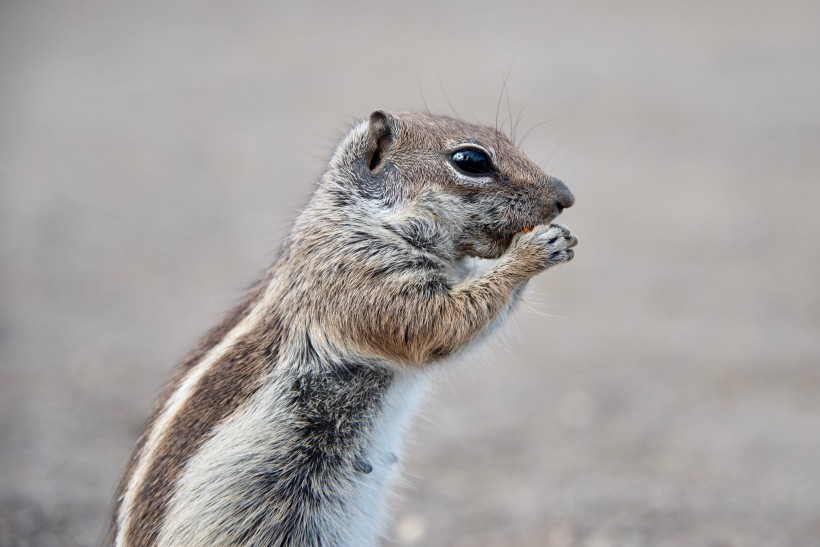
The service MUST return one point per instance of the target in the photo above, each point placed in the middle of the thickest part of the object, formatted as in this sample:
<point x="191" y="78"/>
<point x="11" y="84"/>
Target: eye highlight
<point x="472" y="162"/>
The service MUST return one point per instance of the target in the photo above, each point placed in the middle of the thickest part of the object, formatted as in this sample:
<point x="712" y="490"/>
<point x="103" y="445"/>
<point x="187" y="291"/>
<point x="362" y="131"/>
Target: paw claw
<point x="548" y="245"/>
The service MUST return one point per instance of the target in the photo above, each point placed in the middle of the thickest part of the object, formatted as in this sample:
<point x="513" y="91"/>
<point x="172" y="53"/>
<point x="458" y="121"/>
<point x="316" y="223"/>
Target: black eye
<point x="472" y="162"/>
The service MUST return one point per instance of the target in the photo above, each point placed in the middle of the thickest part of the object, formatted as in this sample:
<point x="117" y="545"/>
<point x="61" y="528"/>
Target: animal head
<point x="436" y="180"/>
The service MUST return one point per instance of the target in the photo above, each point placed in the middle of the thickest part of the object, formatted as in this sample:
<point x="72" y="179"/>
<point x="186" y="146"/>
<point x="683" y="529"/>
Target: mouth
<point x="530" y="227"/>
<point x="499" y="238"/>
<point x="544" y="221"/>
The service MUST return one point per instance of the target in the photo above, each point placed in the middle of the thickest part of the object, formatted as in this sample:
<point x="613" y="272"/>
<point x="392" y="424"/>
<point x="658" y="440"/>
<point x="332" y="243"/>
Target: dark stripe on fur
<point x="309" y="472"/>
<point x="230" y="382"/>
<point x="205" y="345"/>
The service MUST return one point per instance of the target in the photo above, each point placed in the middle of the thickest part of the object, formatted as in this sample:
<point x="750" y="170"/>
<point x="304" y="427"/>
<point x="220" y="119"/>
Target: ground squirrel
<point x="281" y="428"/>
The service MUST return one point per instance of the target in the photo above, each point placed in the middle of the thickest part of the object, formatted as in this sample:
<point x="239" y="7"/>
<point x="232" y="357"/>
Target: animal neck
<point x="336" y="215"/>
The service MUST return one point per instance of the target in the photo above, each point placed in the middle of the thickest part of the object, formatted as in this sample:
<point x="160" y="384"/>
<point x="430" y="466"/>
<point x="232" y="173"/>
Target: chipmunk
<point x="281" y="428"/>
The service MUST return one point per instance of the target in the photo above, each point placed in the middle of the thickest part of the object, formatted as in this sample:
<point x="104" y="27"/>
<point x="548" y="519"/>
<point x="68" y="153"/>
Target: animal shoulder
<point x="283" y="427"/>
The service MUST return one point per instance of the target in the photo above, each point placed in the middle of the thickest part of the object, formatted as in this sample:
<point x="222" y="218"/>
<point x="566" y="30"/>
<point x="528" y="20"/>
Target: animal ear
<point x="380" y="136"/>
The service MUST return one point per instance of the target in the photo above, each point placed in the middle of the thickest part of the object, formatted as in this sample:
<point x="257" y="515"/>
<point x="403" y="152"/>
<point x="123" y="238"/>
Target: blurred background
<point x="662" y="389"/>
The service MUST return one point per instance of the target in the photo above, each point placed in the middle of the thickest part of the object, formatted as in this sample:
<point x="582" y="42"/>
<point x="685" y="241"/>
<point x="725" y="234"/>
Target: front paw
<point x="544" y="246"/>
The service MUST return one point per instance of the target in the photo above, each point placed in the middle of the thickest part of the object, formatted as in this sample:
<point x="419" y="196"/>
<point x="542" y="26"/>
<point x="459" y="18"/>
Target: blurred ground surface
<point x="663" y="389"/>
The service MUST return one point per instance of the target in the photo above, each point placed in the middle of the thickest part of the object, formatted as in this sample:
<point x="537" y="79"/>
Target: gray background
<point x="662" y="389"/>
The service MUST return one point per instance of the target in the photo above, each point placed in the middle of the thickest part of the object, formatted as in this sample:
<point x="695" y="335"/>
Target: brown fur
<point x="214" y="336"/>
<point x="230" y="382"/>
<point x="366" y="290"/>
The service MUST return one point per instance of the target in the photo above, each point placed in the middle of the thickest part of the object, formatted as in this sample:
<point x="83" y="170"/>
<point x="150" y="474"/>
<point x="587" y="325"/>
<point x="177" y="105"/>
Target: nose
<point x="564" y="197"/>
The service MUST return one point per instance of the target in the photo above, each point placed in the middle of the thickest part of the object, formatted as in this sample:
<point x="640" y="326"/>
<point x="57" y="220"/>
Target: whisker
<point x="498" y="106"/>
<point x="557" y="165"/>
<point x="555" y="150"/>
<point x="535" y="128"/>
<point x="507" y="93"/>
<point x="446" y="98"/>
<point x="427" y="108"/>
<point x="518" y="119"/>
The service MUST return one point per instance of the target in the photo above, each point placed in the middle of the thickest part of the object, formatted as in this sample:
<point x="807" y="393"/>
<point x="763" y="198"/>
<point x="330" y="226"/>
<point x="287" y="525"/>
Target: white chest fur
<point x="223" y="487"/>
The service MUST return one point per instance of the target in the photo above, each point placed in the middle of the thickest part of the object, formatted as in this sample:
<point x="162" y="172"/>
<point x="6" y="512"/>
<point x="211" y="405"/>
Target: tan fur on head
<point x="281" y="428"/>
<point x="415" y="177"/>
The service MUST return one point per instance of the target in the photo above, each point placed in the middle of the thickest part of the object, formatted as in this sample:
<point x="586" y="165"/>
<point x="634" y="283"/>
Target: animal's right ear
<point x="380" y="136"/>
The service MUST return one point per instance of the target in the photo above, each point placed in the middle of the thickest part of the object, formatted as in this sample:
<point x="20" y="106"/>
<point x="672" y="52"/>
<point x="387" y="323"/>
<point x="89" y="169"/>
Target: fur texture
<point x="282" y="427"/>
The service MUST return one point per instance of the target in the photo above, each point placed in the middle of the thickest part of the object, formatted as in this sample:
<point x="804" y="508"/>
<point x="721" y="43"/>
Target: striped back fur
<point x="282" y="427"/>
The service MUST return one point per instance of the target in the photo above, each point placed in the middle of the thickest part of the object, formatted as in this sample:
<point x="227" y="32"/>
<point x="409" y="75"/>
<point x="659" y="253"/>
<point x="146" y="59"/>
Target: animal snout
<point x="564" y="197"/>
